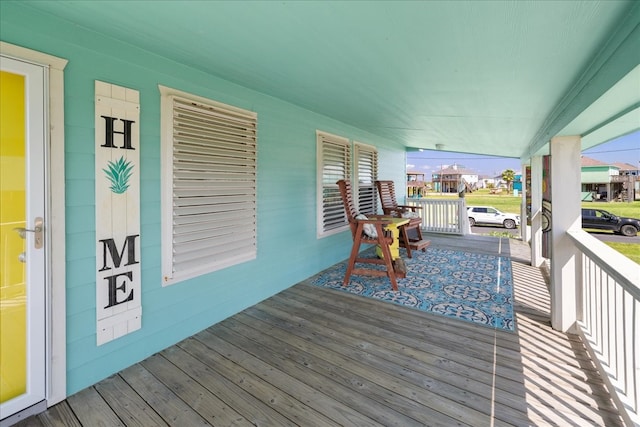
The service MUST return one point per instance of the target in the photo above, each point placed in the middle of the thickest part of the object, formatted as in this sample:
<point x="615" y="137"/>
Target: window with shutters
<point x="365" y="175"/>
<point x="209" y="160"/>
<point x="334" y="163"/>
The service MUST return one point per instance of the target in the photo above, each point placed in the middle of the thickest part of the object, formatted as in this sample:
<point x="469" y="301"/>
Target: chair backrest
<point x="349" y="207"/>
<point x="387" y="194"/>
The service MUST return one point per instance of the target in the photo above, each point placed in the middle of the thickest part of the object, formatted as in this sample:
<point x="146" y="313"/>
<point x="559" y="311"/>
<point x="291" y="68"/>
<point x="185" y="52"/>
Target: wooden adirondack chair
<point x="391" y="207"/>
<point x="394" y="269"/>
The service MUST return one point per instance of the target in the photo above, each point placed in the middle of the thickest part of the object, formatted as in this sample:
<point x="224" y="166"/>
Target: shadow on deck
<point x="317" y="357"/>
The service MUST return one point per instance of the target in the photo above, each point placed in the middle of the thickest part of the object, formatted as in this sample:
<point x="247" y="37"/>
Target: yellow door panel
<point x="13" y="324"/>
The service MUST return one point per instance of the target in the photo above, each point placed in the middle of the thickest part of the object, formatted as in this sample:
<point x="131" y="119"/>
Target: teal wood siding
<point x="288" y="250"/>
<point x="595" y="174"/>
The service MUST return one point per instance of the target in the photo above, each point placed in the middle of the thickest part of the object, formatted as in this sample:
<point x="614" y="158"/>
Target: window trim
<point x="169" y="277"/>
<point x="321" y="136"/>
<point x="353" y="150"/>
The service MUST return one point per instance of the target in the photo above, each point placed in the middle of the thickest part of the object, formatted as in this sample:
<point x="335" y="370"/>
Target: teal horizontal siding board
<point x="80" y="192"/>
<point x="76" y="218"/>
<point x="78" y="273"/>
<point x="78" y="166"/>
<point x="79" y="139"/>
<point x="78" y="245"/>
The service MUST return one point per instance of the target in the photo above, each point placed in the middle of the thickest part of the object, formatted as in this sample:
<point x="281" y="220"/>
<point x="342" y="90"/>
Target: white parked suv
<point x="491" y="215"/>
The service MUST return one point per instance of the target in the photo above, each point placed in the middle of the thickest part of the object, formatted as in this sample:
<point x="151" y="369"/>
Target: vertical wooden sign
<point x="527" y="186"/>
<point x="546" y="206"/>
<point x="118" y="284"/>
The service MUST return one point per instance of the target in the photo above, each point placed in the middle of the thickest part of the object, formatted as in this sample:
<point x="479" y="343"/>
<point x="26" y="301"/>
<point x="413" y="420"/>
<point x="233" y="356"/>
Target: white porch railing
<point x="443" y="215"/>
<point x="609" y="319"/>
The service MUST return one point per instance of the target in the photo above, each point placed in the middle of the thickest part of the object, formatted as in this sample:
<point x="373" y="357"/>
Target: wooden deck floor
<point x="317" y="357"/>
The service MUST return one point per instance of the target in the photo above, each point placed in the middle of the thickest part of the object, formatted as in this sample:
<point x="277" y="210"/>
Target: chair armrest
<point x="383" y="216"/>
<point x="408" y="207"/>
<point x="374" y="221"/>
<point x="374" y="229"/>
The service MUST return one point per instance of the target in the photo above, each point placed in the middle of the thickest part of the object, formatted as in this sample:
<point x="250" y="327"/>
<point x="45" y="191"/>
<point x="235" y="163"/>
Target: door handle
<point x="38" y="228"/>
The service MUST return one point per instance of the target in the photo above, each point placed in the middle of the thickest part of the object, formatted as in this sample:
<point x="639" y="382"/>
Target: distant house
<point x="517" y="182"/>
<point x="446" y="180"/>
<point x="486" y="181"/>
<point x="609" y="181"/>
<point x="627" y="169"/>
<point x="416" y="185"/>
<point x="630" y="176"/>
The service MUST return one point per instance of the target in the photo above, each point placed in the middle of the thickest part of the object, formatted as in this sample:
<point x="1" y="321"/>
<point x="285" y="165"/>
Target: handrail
<point x="621" y="268"/>
<point x="609" y="319"/>
<point x="448" y="216"/>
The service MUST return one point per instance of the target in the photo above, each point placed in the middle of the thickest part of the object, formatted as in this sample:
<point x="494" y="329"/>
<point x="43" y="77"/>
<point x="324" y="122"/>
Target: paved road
<point x="608" y="236"/>
<point x="604" y="236"/>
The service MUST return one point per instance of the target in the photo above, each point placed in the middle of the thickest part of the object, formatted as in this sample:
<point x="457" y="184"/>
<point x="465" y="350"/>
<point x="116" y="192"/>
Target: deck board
<point x="128" y="404"/>
<point x="202" y="400"/>
<point x="318" y="357"/>
<point x="172" y="409"/>
<point x="254" y="382"/>
<point x="92" y="410"/>
<point x="57" y="415"/>
<point x="243" y="402"/>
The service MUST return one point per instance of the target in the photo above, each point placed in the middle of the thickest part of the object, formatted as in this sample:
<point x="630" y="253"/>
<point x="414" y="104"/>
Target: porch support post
<point x="565" y="215"/>
<point x="524" y="229"/>
<point x="536" y="211"/>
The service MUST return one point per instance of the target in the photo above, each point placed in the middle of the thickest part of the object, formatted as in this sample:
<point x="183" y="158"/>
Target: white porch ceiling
<point x="485" y="77"/>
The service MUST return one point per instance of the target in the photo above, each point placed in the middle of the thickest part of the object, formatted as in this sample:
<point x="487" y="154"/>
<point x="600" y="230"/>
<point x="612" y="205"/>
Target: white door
<point x="22" y="246"/>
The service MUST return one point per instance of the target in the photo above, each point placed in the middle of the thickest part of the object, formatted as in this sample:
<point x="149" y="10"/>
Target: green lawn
<point x="503" y="202"/>
<point x="509" y="203"/>
<point x="617" y="208"/>
<point x="630" y="250"/>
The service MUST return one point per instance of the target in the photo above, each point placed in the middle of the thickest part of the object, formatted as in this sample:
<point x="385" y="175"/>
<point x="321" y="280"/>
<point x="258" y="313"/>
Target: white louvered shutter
<point x="334" y="163"/>
<point x="366" y="173"/>
<point x="213" y="180"/>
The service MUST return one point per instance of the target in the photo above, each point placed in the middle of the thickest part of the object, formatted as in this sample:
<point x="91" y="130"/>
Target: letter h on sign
<point x="109" y="131"/>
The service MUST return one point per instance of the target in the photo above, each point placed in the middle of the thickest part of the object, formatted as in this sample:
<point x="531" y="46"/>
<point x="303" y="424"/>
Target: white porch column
<point x="536" y="211"/>
<point x="524" y="229"/>
<point x="565" y="215"/>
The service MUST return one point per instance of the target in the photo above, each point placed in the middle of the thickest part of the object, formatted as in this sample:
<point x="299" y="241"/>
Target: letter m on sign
<point x="117" y="147"/>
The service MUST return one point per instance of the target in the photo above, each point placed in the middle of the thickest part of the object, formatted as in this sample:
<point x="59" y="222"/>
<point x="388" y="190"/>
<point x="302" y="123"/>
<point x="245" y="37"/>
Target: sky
<point x="625" y="149"/>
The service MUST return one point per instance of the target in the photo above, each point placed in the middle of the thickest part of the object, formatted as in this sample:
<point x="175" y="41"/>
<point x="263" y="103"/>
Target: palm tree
<point x="508" y="176"/>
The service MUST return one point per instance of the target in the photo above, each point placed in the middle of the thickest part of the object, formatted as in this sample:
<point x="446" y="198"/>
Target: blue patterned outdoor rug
<point x="474" y="287"/>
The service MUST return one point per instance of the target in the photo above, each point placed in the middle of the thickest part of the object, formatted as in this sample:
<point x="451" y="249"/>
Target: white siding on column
<point x="565" y="211"/>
